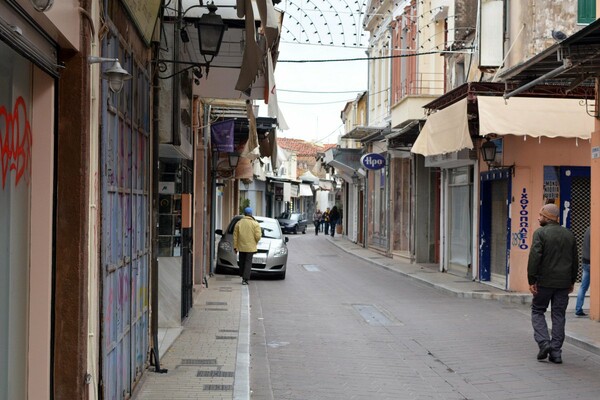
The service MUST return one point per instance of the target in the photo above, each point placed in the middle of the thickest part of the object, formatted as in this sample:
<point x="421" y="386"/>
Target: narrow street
<point x="341" y="328"/>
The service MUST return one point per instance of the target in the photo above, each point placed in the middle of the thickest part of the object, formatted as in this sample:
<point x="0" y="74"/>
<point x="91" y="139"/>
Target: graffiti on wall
<point x="15" y="142"/>
<point x="519" y="239"/>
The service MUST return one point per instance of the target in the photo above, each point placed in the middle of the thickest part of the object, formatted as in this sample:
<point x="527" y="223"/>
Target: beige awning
<point x="305" y="190"/>
<point x="527" y="116"/>
<point x="445" y="131"/>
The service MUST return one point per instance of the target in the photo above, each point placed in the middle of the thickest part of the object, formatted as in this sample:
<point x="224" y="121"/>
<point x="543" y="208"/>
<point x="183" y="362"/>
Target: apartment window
<point x="586" y="11"/>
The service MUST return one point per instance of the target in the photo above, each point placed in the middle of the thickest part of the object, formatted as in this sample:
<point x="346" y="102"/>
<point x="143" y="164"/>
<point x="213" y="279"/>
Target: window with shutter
<point x="586" y="11"/>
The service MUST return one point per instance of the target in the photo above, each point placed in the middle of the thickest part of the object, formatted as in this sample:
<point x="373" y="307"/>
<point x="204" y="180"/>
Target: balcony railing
<point x="431" y="84"/>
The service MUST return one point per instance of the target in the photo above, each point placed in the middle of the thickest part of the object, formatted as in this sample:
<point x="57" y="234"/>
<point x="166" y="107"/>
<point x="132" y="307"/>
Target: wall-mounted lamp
<point x="488" y="153"/>
<point x="210" y="32"/>
<point x="355" y="178"/>
<point x="42" y="5"/>
<point x="115" y="75"/>
<point x="234" y="159"/>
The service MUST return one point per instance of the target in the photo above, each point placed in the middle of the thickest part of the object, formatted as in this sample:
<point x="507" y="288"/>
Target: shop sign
<point x="373" y="161"/>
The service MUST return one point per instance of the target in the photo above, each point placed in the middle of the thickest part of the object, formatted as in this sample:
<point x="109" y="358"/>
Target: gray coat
<point x="553" y="260"/>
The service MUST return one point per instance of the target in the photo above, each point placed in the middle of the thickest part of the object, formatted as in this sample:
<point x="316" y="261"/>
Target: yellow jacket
<point x="246" y="235"/>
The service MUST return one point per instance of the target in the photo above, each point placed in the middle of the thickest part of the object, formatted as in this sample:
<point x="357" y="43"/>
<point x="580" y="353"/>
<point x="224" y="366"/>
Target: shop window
<point x="15" y="197"/>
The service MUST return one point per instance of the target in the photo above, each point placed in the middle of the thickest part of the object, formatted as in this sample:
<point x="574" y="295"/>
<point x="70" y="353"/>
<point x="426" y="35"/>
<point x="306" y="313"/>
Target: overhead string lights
<point x="324" y="22"/>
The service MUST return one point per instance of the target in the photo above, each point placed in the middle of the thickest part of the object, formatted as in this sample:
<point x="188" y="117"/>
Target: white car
<point x="271" y="257"/>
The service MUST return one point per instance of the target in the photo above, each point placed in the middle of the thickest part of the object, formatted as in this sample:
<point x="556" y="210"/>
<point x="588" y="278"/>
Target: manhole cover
<point x="372" y="315"/>
<point x="311" y="267"/>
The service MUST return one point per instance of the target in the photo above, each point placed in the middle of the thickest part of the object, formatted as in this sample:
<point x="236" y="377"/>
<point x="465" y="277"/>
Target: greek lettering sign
<point x="373" y="161"/>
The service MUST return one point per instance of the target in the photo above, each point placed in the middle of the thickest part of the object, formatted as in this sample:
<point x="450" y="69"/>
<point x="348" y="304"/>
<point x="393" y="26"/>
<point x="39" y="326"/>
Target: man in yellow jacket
<point x="246" y="235"/>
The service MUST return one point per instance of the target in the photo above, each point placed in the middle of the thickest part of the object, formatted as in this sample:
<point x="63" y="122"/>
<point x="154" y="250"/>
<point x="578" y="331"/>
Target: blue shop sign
<point x="373" y="161"/>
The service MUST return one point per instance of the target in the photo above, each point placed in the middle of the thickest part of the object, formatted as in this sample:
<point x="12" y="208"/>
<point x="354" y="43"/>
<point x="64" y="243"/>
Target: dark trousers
<point x="317" y="225"/>
<point x="559" y="299"/>
<point x="332" y="225"/>
<point x="245" y="264"/>
<point x="327" y="227"/>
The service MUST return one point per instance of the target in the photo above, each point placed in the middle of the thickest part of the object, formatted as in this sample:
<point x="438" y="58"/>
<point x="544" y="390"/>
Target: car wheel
<point x="304" y="230"/>
<point x="281" y="275"/>
<point x="296" y="230"/>
<point x="219" y="269"/>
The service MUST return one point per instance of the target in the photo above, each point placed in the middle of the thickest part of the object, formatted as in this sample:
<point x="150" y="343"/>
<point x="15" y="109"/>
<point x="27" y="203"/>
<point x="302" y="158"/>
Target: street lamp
<point x="234" y="159"/>
<point x="210" y="32"/>
<point x="115" y="75"/>
<point x="488" y="152"/>
<point x="42" y="5"/>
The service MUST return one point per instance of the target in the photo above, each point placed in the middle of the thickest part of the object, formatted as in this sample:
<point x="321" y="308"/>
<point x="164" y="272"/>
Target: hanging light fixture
<point x="42" y="5"/>
<point x="210" y="32"/>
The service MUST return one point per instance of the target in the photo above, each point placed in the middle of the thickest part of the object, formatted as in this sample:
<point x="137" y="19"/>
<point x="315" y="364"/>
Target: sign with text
<point x="373" y="161"/>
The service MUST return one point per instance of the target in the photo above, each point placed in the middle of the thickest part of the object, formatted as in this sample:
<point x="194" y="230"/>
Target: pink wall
<point x="530" y="156"/>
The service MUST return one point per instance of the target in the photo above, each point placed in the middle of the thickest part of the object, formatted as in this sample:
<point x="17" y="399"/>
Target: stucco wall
<point x="530" y="157"/>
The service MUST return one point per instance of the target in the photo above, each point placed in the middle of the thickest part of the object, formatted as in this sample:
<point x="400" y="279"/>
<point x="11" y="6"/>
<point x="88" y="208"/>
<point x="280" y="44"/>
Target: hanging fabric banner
<point x="221" y="135"/>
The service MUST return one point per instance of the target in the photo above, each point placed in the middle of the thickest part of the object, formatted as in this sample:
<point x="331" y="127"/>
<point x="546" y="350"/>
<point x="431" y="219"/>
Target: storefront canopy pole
<point x="566" y="65"/>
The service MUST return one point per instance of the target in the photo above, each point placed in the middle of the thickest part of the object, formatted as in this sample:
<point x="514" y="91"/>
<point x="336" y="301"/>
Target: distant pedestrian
<point x="246" y="235"/>
<point x="551" y="272"/>
<point x="334" y="216"/>
<point x="585" y="274"/>
<point x="325" y="220"/>
<point x="317" y="215"/>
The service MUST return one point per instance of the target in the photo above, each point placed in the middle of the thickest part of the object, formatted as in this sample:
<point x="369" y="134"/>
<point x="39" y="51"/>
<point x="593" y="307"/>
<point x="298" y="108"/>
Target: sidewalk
<point x="210" y="359"/>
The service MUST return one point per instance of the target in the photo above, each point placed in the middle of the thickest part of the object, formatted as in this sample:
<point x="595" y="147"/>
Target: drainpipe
<point x="213" y="191"/>
<point x="154" y="352"/>
<point x="388" y="218"/>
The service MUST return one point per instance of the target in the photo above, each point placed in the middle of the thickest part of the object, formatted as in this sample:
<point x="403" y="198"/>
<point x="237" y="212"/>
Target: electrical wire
<point x="374" y="58"/>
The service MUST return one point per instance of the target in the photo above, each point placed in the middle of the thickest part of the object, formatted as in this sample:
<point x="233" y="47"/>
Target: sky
<point x="309" y="93"/>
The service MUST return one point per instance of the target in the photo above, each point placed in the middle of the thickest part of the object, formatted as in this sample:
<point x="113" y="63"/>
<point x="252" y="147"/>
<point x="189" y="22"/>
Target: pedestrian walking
<point x="334" y="216"/>
<point x="246" y="235"/>
<point x="551" y="272"/>
<point x="585" y="274"/>
<point x="317" y="215"/>
<point x="325" y="220"/>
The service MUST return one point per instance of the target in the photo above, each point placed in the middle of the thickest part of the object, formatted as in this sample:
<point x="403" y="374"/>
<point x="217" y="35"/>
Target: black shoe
<point x="555" y="360"/>
<point x="580" y="314"/>
<point x="244" y="282"/>
<point x="544" y="351"/>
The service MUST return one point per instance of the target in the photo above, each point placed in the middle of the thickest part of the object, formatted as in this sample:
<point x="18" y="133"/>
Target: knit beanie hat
<point x="550" y="211"/>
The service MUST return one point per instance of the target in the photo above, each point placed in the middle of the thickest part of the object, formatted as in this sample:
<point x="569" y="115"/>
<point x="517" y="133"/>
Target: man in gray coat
<point x="551" y="271"/>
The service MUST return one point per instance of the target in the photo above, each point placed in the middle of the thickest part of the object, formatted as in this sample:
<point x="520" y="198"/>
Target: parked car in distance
<point x="271" y="257"/>
<point x="292" y="222"/>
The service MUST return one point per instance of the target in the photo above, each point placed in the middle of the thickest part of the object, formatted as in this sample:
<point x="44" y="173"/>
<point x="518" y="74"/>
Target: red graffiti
<point x="15" y="142"/>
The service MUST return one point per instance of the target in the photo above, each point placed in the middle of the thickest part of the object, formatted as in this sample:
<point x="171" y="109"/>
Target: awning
<point x="582" y="49"/>
<point x="305" y="190"/>
<point x="526" y="116"/>
<point x="445" y="131"/>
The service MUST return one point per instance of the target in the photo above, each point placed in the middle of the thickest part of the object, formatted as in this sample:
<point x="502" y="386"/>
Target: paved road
<point x="340" y="328"/>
